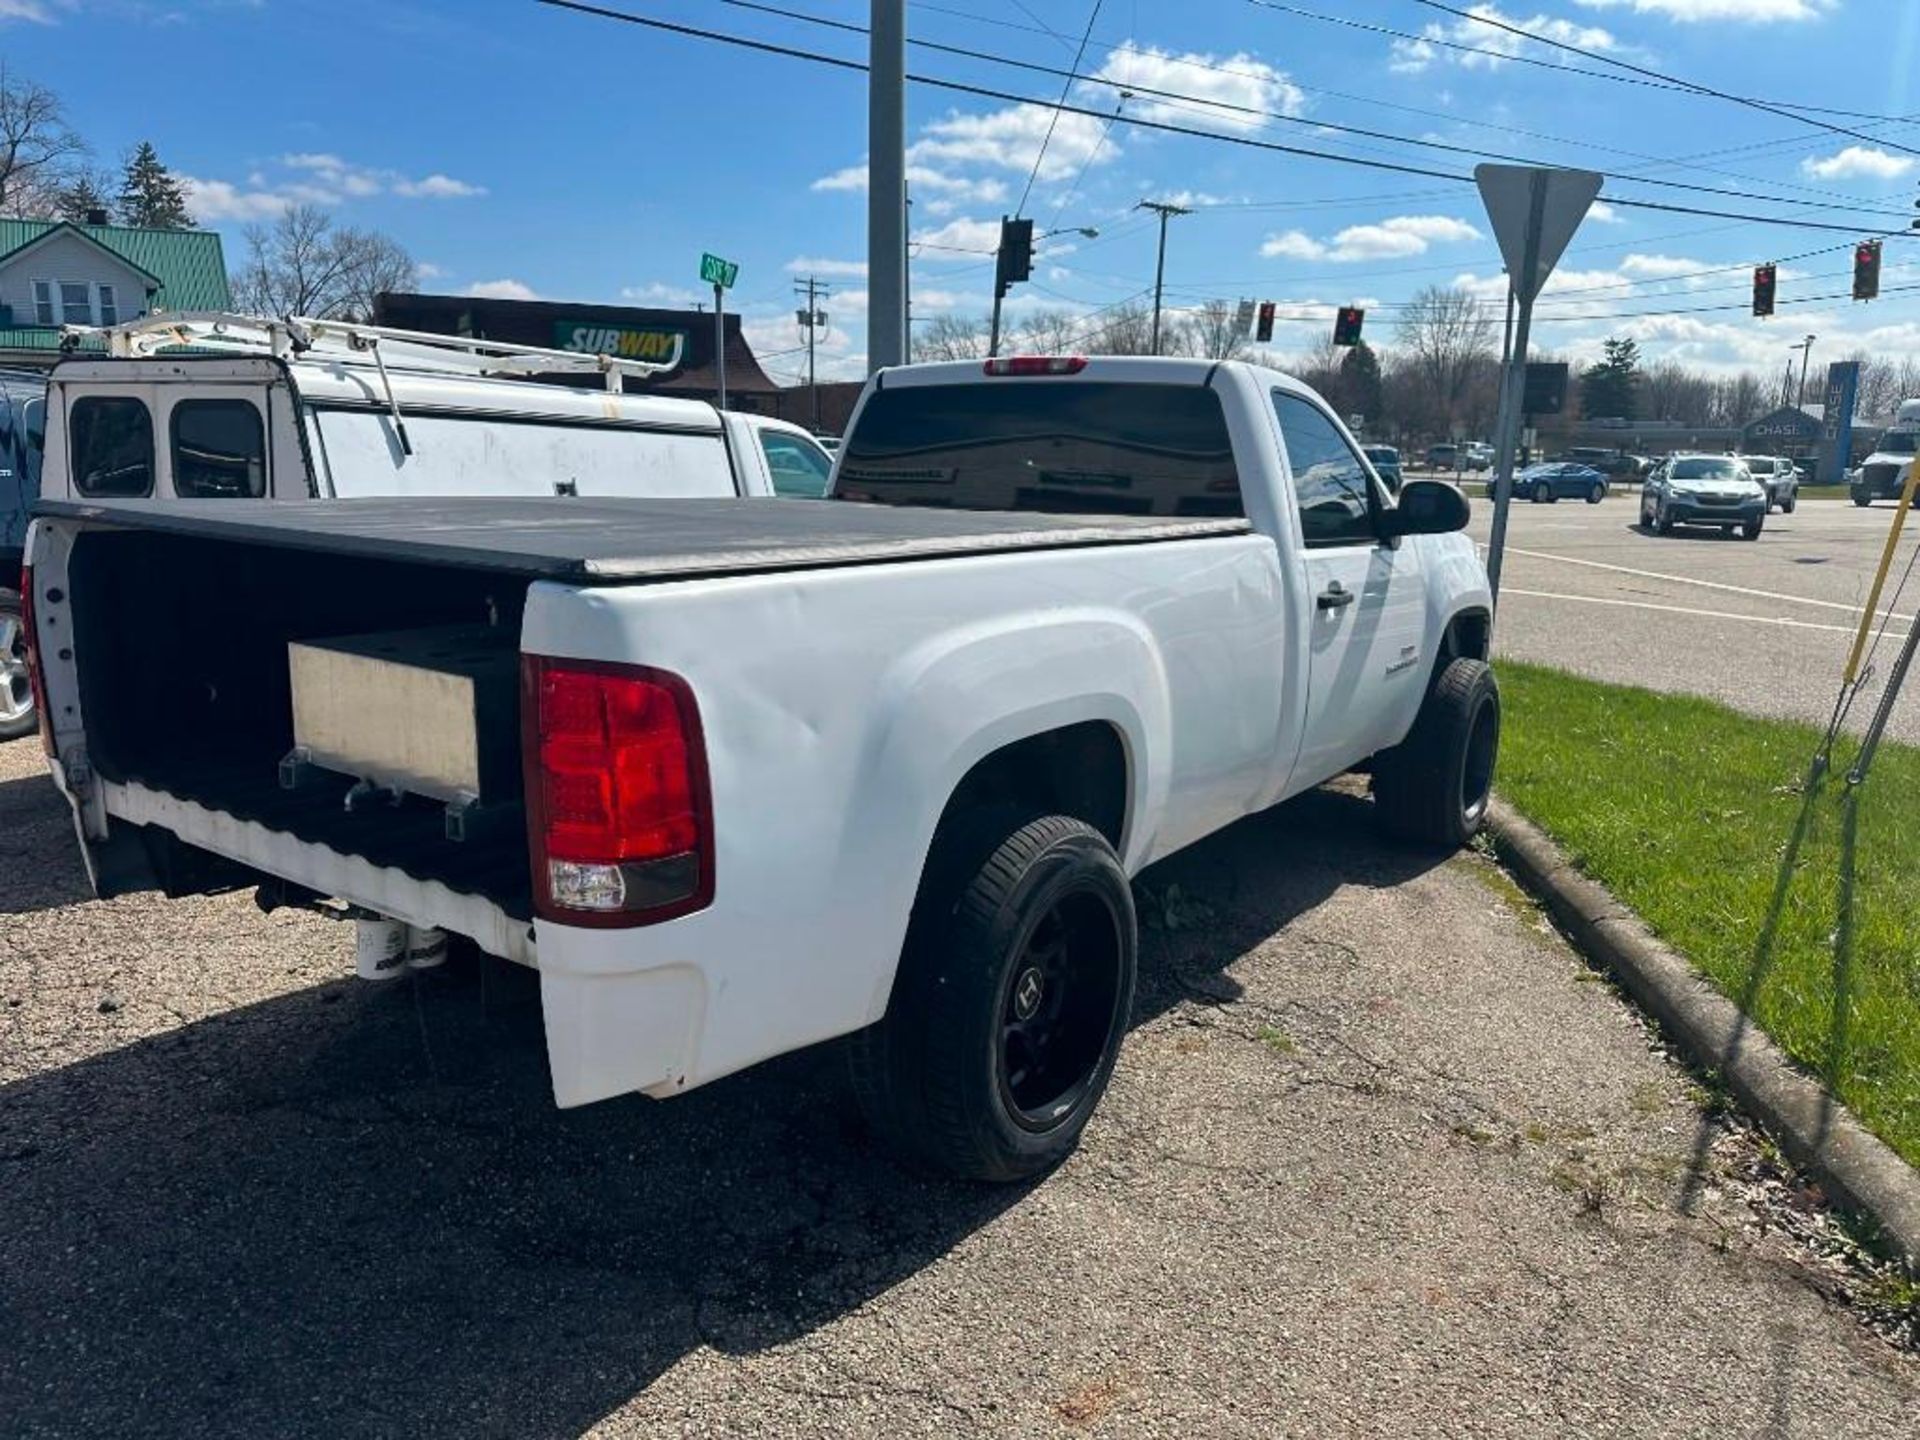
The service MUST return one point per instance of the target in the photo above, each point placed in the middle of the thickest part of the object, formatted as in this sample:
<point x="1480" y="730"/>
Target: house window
<point x="76" y="302"/>
<point x="109" y="306"/>
<point x="43" y="302"/>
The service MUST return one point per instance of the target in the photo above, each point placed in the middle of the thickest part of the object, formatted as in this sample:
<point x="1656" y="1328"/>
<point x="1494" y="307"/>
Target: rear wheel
<point x="1433" y="787"/>
<point x="1014" y="989"/>
<point x="17" y="717"/>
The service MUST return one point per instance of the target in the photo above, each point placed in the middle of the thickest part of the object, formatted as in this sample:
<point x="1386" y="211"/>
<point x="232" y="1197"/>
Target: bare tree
<point x="1125" y="329"/>
<point x="1050" y="332"/>
<point x="951" y="337"/>
<point x="39" y="151"/>
<point x="1213" y="331"/>
<point x="303" y="264"/>
<point x="1447" y="335"/>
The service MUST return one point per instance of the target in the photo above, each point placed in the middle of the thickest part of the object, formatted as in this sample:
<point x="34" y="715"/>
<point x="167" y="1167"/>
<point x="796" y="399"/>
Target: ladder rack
<point x="347" y="342"/>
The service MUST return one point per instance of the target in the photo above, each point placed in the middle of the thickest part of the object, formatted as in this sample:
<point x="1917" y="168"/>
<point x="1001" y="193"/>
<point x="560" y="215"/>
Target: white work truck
<point x="740" y="777"/>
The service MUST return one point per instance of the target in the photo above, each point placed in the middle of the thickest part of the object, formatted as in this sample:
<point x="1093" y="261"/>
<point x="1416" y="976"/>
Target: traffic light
<point x="1346" y="325"/>
<point x="1013" y="261"/>
<point x="1763" y="288"/>
<point x="1263" y="332"/>
<point x="1866" y="270"/>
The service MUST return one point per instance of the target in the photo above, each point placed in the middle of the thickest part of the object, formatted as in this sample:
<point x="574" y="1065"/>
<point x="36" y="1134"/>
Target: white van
<point x="232" y="407"/>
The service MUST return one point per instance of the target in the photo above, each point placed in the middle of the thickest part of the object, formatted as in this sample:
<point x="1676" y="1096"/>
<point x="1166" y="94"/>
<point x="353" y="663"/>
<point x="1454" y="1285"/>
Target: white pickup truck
<point x="741" y="776"/>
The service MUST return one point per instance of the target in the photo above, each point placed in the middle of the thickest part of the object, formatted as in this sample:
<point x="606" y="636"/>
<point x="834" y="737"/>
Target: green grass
<point x="1688" y="811"/>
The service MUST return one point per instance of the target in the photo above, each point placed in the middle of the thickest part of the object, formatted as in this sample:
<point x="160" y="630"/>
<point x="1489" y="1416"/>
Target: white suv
<point x="1779" y="478"/>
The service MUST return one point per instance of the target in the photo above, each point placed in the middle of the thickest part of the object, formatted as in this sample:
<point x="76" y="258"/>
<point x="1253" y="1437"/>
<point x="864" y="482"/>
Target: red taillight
<point x="36" y="676"/>
<point x="619" y="816"/>
<point x="1037" y="365"/>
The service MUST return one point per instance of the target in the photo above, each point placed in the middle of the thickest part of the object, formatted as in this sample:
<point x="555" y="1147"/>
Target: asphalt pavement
<point x="1381" y="1157"/>
<point x="1763" y="625"/>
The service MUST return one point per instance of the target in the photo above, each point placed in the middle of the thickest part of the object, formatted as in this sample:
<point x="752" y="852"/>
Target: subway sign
<point x="653" y="344"/>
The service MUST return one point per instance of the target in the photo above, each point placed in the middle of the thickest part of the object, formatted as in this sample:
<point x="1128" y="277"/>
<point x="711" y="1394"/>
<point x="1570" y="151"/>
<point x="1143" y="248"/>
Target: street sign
<point x="1545" y="391"/>
<point x="1508" y="193"/>
<point x="1243" y="318"/>
<point x="716" y="271"/>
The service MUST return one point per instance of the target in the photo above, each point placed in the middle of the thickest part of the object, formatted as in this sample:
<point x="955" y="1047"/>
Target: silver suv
<point x="1779" y="478"/>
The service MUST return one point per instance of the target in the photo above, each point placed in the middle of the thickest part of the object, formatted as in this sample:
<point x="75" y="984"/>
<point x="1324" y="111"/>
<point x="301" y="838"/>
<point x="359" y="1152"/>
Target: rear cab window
<point x="219" y="450"/>
<point x="1065" y="447"/>
<point x="111" y="446"/>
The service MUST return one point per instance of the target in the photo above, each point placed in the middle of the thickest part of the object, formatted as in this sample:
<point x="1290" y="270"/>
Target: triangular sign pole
<point x="1534" y="212"/>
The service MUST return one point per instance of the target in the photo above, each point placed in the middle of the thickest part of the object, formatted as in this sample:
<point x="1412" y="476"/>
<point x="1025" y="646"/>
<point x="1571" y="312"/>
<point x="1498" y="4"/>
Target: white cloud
<point x="658" y="292"/>
<point x="437" y="187"/>
<point x="1396" y="237"/>
<point x="502" y="290"/>
<point x="212" y="200"/>
<point x="962" y="235"/>
<point x="25" y="10"/>
<point x="1856" y="161"/>
<point x="1011" y="138"/>
<point x="922" y="179"/>
<point x="1489" y="46"/>
<point x="1223" y="89"/>
<point x="338" y="178"/>
<point x="810" y="265"/>
<point x="427" y="270"/>
<point x="1689" y="11"/>
<point x="1601" y="211"/>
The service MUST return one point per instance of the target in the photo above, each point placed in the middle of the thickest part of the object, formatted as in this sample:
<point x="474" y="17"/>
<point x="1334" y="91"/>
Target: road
<point x="1381" y="1158"/>
<point x="1764" y="626"/>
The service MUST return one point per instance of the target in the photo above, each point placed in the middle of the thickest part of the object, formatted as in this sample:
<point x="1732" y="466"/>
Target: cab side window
<point x="1330" y="483"/>
<point x="111" y="440"/>
<point x="219" y="450"/>
<point x="798" y="467"/>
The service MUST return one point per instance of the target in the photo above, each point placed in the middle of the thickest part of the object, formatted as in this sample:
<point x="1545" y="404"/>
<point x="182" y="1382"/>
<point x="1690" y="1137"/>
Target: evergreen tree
<point x="1608" y="388"/>
<point x="82" y="198"/>
<point x="1360" y="387"/>
<point x="149" y="195"/>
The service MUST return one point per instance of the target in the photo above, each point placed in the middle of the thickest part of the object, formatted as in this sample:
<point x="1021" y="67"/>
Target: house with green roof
<point x="54" y="273"/>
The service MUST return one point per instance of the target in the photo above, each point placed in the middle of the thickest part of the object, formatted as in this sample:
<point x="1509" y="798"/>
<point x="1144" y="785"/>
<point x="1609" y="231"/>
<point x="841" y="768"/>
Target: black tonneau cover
<point x="614" y="541"/>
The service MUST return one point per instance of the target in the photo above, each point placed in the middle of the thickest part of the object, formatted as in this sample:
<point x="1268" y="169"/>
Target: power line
<point x="1535" y="60"/>
<point x="1203" y="106"/>
<point x="1698" y="89"/>
<point x="1047" y="139"/>
<point x="988" y="92"/>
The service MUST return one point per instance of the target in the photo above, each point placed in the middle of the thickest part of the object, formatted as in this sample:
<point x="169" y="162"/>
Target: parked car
<point x="1779" y="478"/>
<point x="1386" y="464"/>
<point x="1883" y="474"/>
<point x="1476" y="455"/>
<point x="1442" y="457"/>
<point x="23" y="414"/>
<point x="1712" y="490"/>
<point x="786" y="772"/>
<point x="1557" y="480"/>
<point x="1614" y="464"/>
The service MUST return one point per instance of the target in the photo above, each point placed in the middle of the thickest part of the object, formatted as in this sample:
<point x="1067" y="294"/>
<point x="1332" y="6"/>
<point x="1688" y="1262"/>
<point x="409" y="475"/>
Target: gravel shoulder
<point x="1381" y="1158"/>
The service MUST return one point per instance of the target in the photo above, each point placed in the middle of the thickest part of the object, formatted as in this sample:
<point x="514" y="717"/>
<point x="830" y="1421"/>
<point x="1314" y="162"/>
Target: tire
<point x="1597" y="493"/>
<point x="1662" y="521"/>
<point x="1862" y="500"/>
<point x="1786" y="505"/>
<point x="1751" y="530"/>
<point x="1014" y="990"/>
<point x="18" y="717"/>
<point x="1542" y="493"/>
<point x="1433" y="787"/>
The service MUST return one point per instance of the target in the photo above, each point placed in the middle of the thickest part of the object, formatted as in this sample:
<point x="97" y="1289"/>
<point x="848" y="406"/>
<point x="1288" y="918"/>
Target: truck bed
<point x="619" y="541"/>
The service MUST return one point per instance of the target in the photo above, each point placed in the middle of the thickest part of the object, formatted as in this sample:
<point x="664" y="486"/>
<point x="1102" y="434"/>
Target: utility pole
<point x="1166" y="212"/>
<point x="811" y="319"/>
<point x="887" y="185"/>
<point x="1805" y="347"/>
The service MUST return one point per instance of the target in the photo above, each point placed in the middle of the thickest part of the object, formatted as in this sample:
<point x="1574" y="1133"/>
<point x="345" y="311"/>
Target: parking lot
<point x="1378" y="1142"/>
<point x="1764" y="626"/>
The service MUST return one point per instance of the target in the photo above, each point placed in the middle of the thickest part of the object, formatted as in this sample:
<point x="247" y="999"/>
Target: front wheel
<point x="1786" y="505"/>
<point x="1662" y="521"/>
<point x="1597" y="493"/>
<point x="1013" y="993"/>
<point x="17" y="715"/>
<point x="1433" y="787"/>
<point x="1751" y="530"/>
<point x="1862" y="500"/>
<point x="1542" y="492"/>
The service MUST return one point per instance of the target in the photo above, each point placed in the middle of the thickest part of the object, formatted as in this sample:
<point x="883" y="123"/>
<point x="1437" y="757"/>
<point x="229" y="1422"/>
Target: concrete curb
<point x="1816" y="1131"/>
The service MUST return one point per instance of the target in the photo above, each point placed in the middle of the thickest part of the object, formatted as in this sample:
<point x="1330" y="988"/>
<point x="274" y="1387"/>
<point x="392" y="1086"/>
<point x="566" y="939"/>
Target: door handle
<point x="1335" y="597"/>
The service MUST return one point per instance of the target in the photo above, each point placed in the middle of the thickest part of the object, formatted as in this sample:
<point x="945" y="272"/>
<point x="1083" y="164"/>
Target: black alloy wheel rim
<point x="1058" y="1013"/>
<point x="1476" y="775"/>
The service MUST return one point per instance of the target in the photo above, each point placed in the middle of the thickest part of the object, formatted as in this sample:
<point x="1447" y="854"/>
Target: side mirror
<point x="1427" y="507"/>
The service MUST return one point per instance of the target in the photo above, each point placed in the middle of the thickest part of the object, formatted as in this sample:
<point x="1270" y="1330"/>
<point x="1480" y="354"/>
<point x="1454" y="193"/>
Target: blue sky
<point x="519" y="149"/>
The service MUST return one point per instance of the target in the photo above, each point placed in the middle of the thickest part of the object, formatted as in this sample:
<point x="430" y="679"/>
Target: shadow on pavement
<point x="354" y="1209"/>
<point x="39" y="855"/>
